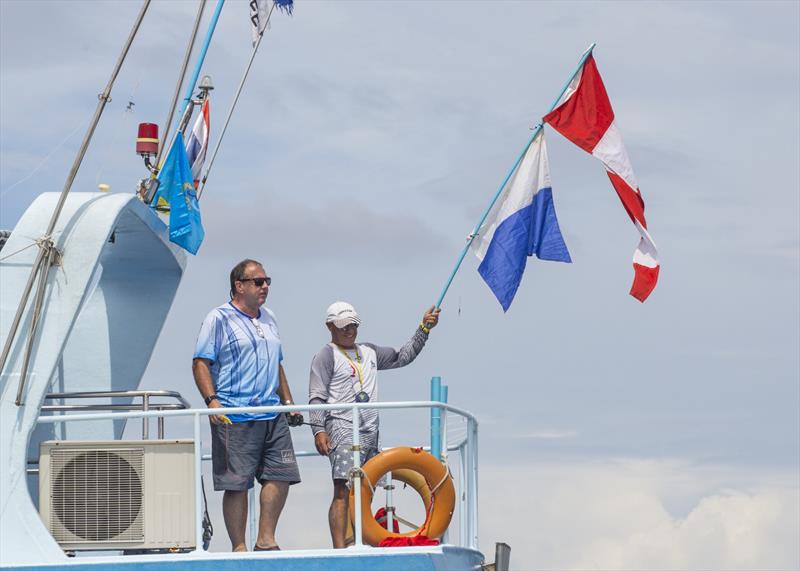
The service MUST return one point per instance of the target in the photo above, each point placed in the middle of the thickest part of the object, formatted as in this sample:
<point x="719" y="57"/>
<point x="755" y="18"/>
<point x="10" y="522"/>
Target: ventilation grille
<point x="97" y="495"/>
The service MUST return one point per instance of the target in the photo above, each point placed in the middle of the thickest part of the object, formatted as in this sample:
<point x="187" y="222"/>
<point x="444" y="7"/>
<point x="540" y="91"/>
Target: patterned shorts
<point x="254" y="450"/>
<point x="341" y="459"/>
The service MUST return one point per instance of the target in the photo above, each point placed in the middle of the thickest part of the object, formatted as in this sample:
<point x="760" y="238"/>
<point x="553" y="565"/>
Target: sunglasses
<point x="258" y="282"/>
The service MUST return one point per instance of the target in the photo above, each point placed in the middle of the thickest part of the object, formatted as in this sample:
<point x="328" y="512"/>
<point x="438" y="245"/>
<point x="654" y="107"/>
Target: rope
<point x="34" y="243"/>
<point x="352" y="474"/>
<point x="447" y="474"/>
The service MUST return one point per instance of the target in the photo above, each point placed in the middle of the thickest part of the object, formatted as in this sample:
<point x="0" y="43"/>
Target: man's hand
<point x="323" y="443"/>
<point x="431" y="317"/>
<point x="218" y="418"/>
<point x="294" y="418"/>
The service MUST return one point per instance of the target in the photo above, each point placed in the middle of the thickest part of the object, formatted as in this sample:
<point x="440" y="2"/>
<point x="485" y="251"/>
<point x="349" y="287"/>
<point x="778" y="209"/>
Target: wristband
<point x="424" y="329"/>
<point x="210" y="398"/>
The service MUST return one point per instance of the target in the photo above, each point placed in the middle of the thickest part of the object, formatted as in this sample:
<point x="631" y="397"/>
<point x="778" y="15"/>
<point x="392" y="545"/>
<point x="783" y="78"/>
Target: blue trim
<point x="405" y="558"/>
<point x="243" y="313"/>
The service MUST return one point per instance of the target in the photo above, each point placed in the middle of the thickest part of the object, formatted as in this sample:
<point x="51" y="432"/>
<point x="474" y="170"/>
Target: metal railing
<point x="468" y="449"/>
<point x="145" y="405"/>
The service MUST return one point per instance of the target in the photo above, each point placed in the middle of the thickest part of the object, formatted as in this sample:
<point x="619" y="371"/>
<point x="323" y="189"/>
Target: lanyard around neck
<point x="358" y="367"/>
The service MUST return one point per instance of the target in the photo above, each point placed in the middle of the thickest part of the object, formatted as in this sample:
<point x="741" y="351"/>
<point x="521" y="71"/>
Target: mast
<point x="48" y="253"/>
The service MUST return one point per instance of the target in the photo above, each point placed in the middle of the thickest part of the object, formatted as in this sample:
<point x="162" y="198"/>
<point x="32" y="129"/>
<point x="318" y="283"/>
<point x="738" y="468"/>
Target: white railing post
<point x="145" y="421"/>
<point x="251" y="496"/>
<point x="472" y="495"/>
<point x="357" y="474"/>
<point x="462" y="496"/>
<point x="389" y="502"/>
<point x="443" y="398"/>
<point x="198" y="485"/>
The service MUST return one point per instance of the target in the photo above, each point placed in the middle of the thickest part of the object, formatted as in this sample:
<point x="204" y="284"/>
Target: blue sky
<point x="367" y="143"/>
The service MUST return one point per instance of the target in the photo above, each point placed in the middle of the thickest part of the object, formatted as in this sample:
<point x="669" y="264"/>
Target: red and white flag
<point x="585" y="117"/>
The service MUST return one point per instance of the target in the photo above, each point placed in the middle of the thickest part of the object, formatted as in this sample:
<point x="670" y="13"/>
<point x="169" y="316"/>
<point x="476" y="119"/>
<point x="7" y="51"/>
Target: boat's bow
<point x="103" y="308"/>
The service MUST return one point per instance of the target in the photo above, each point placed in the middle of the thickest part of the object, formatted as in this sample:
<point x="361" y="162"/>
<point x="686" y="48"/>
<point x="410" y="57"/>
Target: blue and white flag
<point x="176" y="184"/>
<point x="521" y="223"/>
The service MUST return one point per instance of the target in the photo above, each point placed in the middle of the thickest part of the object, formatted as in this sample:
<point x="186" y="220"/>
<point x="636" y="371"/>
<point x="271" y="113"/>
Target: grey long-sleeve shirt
<point x="338" y="374"/>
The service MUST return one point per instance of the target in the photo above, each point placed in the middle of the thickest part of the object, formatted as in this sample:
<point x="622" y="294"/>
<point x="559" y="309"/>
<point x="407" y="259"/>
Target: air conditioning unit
<point x="120" y="494"/>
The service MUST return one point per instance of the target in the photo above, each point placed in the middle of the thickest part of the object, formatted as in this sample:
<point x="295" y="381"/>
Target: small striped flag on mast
<point x="197" y="145"/>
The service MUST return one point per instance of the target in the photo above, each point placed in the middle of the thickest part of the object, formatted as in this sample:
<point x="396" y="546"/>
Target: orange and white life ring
<point x="413" y="479"/>
<point x="427" y="475"/>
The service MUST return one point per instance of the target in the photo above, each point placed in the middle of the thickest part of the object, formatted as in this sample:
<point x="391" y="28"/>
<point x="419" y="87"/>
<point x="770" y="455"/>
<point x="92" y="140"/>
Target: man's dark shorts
<point x="257" y="449"/>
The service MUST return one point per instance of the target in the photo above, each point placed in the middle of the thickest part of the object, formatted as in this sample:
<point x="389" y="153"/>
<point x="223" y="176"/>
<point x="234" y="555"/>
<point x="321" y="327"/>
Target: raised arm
<point x="390" y="358"/>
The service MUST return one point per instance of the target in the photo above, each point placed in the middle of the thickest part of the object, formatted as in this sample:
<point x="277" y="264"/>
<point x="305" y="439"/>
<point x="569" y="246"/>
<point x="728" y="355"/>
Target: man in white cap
<point x="345" y="372"/>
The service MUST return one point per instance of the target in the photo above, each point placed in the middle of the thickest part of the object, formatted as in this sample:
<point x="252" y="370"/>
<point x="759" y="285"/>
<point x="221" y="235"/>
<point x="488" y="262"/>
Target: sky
<point x="367" y="144"/>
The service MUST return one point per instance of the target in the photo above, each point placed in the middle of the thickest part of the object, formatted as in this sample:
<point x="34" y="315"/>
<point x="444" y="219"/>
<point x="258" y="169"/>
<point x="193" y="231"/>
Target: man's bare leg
<point x="273" y="498"/>
<point x="234" y="510"/>
<point x="337" y="514"/>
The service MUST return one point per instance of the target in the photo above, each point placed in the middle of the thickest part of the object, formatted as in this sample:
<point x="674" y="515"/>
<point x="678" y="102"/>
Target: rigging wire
<point x="166" y="131"/>
<point x="34" y="243"/>
<point x="47" y="251"/>
<point x="43" y="161"/>
<point x="235" y="101"/>
<point x="127" y="111"/>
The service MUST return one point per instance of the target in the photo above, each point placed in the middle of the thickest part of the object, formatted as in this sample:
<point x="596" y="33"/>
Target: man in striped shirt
<point x="237" y="363"/>
<point x="344" y="371"/>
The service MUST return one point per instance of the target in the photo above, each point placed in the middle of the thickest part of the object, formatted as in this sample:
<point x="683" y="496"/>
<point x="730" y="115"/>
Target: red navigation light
<point x="147" y="140"/>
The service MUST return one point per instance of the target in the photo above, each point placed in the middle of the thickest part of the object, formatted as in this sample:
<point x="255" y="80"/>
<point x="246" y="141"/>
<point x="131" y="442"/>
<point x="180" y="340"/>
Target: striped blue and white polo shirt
<point x="245" y="353"/>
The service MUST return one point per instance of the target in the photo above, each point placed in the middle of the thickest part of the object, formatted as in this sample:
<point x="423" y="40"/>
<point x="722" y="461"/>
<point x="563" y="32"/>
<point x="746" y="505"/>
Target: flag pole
<point x="233" y="105"/>
<point x="181" y="77"/>
<point x="200" y="58"/>
<point x="536" y="131"/>
<point x="211" y="27"/>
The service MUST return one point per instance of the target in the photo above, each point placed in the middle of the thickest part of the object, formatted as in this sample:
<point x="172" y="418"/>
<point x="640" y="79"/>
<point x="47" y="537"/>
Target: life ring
<point x="410" y="477"/>
<point x="434" y="484"/>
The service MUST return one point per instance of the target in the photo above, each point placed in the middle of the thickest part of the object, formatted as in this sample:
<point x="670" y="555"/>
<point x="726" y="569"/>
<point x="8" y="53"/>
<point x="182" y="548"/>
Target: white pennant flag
<point x="259" y="10"/>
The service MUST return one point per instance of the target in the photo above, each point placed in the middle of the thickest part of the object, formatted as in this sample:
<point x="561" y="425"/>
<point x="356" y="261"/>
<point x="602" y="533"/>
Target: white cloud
<point x="601" y="515"/>
<point x="641" y="515"/>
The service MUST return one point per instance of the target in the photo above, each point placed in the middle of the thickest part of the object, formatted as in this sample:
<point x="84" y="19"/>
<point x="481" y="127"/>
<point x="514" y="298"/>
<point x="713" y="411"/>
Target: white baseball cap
<point x="342" y="314"/>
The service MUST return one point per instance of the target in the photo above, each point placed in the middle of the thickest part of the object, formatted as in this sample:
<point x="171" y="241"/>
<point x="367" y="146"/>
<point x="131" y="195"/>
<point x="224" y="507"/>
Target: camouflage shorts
<point x="341" y="458"/>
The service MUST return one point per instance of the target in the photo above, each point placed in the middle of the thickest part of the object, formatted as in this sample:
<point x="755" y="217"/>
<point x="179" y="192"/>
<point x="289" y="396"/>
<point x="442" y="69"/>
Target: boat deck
<point x="427" y="558"/>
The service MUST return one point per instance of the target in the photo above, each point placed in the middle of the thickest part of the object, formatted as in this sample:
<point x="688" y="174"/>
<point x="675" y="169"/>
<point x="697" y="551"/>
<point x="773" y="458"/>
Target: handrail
<point x="263" y="409"/>
<point x="117" y="394"/>
<point x="108" y="407"/>
<point x="144" y="394"/>
<point x="468" y="475"/>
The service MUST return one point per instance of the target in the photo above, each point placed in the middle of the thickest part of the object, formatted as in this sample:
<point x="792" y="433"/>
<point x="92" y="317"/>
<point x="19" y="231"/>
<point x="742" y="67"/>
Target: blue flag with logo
<point x="177" y="187"/>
